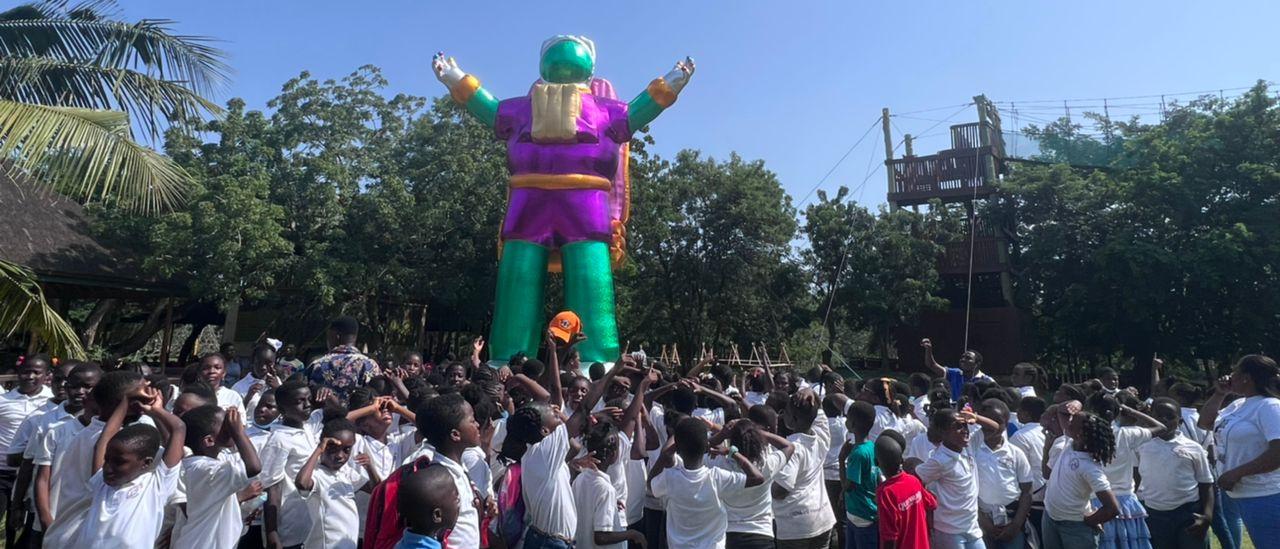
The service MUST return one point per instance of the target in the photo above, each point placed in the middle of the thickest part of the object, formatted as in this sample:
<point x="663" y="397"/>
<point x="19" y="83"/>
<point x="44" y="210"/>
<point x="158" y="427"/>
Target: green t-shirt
<point x="863" y="475"/>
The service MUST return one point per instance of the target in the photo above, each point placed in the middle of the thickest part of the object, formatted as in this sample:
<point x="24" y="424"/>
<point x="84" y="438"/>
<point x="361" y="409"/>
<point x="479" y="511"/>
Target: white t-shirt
<point x="27" y="431"/>
<point x="1172" y="471"/>
<point x="70" y="446"/>
<point x="696" y="518"/>
<point x="228" y="398"/>
<point x="242" y="388"/>
<point x="1000" y="472"/>
<point x="953" y="480"/>
<point x="128" y="516"/>
<point x="806" y="511"/>
<point x="598" y="509"/>
<point x="714" y="415"/>
<point x="831" y="462"/>
<point x="753" y="398"/>
<point x="1030" y="439"/>
<point x="213" y="513"/>
<point x="385" y="459"/>
<point x="885" y="419"/>
<point x="1076" y="477"/>
<point x="15" y="407"/>
<point x="1189" y="428"/>
<point x="1241" y="434"/>
<point x="335" y="521"/>
<point x="919" y="448"/>
<point x="1120" y="470"/>
<point x="286" y="450"/>
<point x="548" y="496"/>
<point x="466" y="533"/>
<point x="635" y="476"/>
<point x="919" y="404"/>
<point x="911" y="428"/>
<point x="750" y="511"/>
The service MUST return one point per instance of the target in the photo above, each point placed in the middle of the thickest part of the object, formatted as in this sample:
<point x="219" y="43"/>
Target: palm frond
<point x="23" y="309"/>
<point x="152" y="101"/>
<point x="88" y="154"/>
<point x="83" y="34"/>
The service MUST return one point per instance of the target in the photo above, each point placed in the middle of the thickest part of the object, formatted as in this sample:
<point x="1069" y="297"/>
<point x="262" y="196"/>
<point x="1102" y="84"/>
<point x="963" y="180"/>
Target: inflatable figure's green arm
<point x="465" y="89"/>
<point x="660" y="94"/>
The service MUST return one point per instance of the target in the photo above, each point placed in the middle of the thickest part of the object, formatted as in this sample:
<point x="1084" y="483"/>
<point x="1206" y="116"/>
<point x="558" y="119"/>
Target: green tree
<point x="70" y="81"/>
<point x="875" y="272"/>
<point x="1177" y="252"/>
<point x="709" y="254"/>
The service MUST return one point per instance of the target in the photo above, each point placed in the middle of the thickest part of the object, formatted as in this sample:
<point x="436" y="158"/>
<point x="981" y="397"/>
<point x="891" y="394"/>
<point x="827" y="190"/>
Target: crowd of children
<point x="538" y="455"/>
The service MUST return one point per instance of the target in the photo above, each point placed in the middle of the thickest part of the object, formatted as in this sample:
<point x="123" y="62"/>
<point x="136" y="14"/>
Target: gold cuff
<point x="661" y="93"/>
<point x="464" y="89"/>
<point x="560" y="181"/>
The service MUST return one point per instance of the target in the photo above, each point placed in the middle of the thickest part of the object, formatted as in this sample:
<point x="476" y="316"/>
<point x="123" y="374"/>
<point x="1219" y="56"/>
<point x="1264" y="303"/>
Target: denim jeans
<point x="1226" y="521"/>
<point x="655" y="528"/>
<point x="534" y="539"/>
<point x="1169" y="528"/>
<point x="1068" y="534"/>
<point x="861" y="537"/>
<point x="957" y="541"/>
<point x="1261" y="515"/>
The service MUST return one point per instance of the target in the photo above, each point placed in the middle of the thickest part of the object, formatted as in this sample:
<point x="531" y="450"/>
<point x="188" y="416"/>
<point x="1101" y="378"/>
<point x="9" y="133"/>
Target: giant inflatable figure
<point x="568" y="193"/>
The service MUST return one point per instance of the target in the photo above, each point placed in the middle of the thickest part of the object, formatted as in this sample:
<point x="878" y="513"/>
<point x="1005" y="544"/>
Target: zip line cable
<point x="846" y="154"/>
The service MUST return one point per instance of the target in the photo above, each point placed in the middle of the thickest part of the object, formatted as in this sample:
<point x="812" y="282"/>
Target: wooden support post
<point x="907" y="141"/>
<point x="988" y="159"/>
<point x="888" y="152"/>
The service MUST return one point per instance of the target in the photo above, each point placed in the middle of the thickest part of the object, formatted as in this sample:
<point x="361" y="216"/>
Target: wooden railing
<point x="986" y="256"/>
<point x="950" y="174"/>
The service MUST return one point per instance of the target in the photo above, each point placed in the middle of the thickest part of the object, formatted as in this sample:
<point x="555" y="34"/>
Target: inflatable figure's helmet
<point x="567" y="59"/>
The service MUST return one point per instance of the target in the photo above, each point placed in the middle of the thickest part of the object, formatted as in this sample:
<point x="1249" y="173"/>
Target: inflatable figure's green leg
<point x="588" y="291"/>
<point x="518" y="323"/>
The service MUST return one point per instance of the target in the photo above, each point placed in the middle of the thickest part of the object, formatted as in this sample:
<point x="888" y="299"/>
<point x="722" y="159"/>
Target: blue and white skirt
<point x="1129" y="529"/>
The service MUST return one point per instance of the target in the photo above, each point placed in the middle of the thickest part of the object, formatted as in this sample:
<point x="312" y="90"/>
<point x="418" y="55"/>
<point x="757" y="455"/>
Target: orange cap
<point x="565" y="325"/>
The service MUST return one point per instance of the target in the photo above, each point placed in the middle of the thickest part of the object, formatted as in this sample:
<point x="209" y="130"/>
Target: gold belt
<point x="560" y="181"/>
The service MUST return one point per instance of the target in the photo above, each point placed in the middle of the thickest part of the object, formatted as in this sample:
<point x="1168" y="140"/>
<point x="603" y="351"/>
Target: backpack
<point x="509" y="495"/>
<point x="384" y="527"/>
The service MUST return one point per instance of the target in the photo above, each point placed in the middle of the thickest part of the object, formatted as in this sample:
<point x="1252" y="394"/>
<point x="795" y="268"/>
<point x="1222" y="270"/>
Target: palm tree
<point x="75" y="84"/>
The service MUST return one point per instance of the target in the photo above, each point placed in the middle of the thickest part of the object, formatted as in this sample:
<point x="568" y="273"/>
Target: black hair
<point x="85" y="368"/>
<point x="919" y="382"/>
<point x="745" y="436"/>
<point x="830" y="407"/>
<point x="1186" y="394"/>
<point x="1263" y="371"/>
<point x="1073" y="392"/>
<point x="41" y="358"/>
<point x="533" y="368"/>
<point x="360" y="397"/>
<point x="942" y="419"/>
<point x="895" y="435"/>
<point x="345" y="326"/>
<point x="1097" y="438"/>
<point x="287" y="394"/>
<point x="977" y="357"/>
<point x="201" y="422"/>
<point x="683" y="399"/>
<point x="524" y="427"/>
<point x="1104" y="405"/>
<point x="882" y="388"/>
<point x="691" y="437"/>
<point x="108" y="393"/>
<point x="994" y="392"/>
<point x="762" y="415"/>
<point x="434" y="378"/>
<point x="596" y="371"/>
<point x="420" y="395"/>
<point x="141" y="439"/>
<point x="940" y="398"/>
<point x="338" y="425"/>
<point x="888" y="449"/>
<point x="723" y="373"/>
<point x="440" y="416"/>
<point x="1033" y="406"/>
<point x="601" y="440"/>
<point x="862" y="416"/>
<point x="777" y="400"/>
<point x="998" y="406"/>
<point x="1165" y="401"/>
<point x="201" y="389"/>
<point x="1106" y="370"/>
<point x="904" y="406"/>
<point x="483" y="375"/>
<point x="802" y="412"/>
<point x="380" y="386"/>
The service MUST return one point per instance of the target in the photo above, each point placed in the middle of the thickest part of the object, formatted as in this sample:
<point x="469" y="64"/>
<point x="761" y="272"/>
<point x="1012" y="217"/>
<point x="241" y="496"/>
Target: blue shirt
<point x="417" y="541"/>
<point x="956" y="381"/>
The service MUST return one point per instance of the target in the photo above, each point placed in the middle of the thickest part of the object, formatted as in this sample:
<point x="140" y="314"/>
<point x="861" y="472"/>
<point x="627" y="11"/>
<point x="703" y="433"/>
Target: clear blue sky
<point x="793" y="83"/>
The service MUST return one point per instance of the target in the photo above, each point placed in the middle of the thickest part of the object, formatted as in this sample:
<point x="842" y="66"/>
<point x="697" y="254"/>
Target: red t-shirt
<point x="904" y="507"/>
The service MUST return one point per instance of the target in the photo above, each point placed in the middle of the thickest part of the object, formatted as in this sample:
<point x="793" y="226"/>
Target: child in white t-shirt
<point x="691" y="492"/>
<point x="601" y="512"/>
<point x="212" y="511"/>
<point x="1075" y="475"/>
<point x="374" y="417"/>
<point x="1177" y="484"/>
<point x="129" y="487"/>
<point x="950" y="473"/>
<point x="328" y="483"/>
<point x="801" y="507"/>
<point x="1004" y="480"/>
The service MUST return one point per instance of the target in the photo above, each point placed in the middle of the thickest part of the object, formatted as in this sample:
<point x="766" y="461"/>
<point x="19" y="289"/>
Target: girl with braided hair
<point x="1077" y="475"/>
<point x="1130" y="429"/>
<point x="750" y="511"/>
